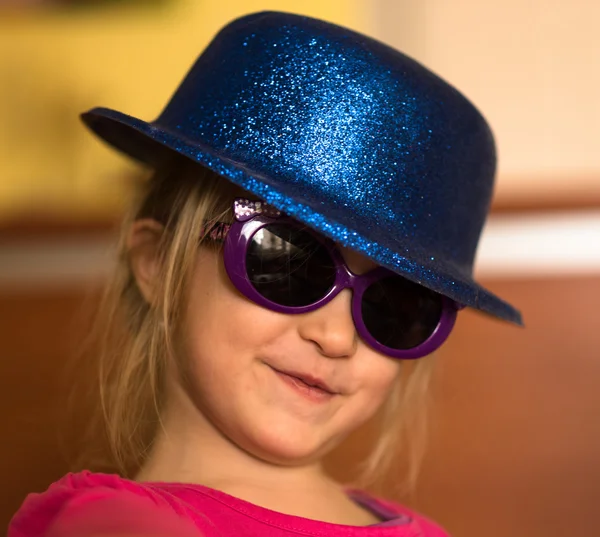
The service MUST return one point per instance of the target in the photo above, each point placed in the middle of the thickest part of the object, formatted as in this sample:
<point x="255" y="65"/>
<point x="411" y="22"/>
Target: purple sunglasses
<point x="281" y="265"/>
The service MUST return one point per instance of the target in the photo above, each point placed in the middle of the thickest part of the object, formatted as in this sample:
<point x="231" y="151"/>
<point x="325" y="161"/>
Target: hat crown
<point x="341" y="132"/>
<point x="353" y="123"/>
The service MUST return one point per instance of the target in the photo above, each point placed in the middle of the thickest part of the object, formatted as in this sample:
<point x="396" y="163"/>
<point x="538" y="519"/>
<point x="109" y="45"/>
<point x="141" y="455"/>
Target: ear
<point x="143" y="243"/>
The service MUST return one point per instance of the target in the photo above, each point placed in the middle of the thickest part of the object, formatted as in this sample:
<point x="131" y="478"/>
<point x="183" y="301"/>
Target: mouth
<point x="306" y="385"/>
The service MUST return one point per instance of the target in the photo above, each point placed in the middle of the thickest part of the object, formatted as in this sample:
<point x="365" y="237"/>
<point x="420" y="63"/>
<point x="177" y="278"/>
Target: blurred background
<point x="515" y="434"/>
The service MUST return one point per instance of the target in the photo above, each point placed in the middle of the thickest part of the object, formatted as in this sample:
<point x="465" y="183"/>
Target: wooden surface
<point x="515" y="432"/>
<point x="515" y="448"/>
<point x="38" y="334"/>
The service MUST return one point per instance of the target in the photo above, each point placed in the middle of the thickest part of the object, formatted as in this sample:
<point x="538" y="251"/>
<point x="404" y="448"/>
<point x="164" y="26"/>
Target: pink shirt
<point x="92" y="504"/>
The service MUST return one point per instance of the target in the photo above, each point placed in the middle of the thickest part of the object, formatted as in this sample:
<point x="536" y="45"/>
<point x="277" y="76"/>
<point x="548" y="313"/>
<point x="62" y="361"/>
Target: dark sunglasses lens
<point x="400" y="314"/>
<point x="289" y="266"/>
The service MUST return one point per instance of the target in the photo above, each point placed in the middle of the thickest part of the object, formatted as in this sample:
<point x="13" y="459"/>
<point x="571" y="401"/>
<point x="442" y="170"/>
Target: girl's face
<point x="285" y="388"/>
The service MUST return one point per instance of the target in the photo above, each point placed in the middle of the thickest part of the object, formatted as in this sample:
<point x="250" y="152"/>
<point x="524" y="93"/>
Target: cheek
<point x="386" y="374"/>
<point x="223" y="330"/>
<point x="379" y="375"/>
<point x="215" y="308"/>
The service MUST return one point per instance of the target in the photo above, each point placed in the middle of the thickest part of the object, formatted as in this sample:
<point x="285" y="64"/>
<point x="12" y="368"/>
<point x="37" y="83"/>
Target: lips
<point x="306" y="383"/>
<point x="310" y="381"/>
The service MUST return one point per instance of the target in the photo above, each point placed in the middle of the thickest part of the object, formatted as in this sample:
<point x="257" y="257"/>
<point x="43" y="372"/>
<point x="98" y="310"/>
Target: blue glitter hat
<point x="341" y="132"/>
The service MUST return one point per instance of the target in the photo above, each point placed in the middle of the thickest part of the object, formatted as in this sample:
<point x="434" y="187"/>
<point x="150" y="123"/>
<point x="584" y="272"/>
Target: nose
<point x="331" y="327"/>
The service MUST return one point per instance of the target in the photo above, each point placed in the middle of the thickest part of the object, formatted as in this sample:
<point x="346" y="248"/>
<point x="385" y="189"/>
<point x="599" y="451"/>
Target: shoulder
<point x="80" y="501"/>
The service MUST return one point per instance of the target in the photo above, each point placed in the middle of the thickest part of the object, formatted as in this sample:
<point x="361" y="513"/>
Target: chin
<point x="287" y="446"/>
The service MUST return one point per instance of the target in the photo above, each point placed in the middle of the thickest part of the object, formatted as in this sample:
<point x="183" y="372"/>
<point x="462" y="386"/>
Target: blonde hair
<point x="133" y="338"/>
<point x="396" y="455"/>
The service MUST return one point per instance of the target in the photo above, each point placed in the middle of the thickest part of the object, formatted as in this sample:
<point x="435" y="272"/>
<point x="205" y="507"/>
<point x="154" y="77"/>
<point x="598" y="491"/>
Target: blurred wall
<point x="533" y="70"/>
<point x="515" y="429"/>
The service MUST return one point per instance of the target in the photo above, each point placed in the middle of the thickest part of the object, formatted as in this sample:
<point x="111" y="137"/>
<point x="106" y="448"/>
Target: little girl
<point x="309" y="230"/>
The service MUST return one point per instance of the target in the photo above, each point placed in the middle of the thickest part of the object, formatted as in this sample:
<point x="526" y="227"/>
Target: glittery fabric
<point x="341" y="132"/>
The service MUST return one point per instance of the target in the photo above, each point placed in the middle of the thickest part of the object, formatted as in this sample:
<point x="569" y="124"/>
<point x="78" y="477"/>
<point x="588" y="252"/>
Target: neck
<point x="190" y="449"/>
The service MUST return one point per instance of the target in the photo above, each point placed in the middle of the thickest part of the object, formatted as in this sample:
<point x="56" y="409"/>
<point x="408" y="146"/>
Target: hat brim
<point x="150" y="144"/>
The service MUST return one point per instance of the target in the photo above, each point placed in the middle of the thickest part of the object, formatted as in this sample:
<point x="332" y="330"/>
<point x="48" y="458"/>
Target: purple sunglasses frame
<point x="251" y="216"/>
